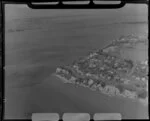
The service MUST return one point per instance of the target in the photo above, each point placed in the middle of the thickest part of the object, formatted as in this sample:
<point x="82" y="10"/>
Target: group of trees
<point x="110" y="72"/>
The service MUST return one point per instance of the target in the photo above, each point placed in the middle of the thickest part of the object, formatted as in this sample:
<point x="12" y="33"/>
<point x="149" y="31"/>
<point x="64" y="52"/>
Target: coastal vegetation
<point x="101" y="70"/>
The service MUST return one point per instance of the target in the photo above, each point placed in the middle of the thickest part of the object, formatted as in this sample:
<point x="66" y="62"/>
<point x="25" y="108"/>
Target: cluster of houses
<point x="94" y="84"/>
<point x="130" y="39"/>
<point x="141" y="69"/>
<point x="100" y="71"/>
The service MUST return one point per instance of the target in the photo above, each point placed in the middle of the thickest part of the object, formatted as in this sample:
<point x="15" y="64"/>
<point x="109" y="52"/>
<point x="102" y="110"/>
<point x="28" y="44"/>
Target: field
<point x="36" y="44"/>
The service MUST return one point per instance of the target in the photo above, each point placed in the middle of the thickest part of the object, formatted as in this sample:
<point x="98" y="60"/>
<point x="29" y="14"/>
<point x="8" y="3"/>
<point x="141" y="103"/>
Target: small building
<point x="90" y="82"/>
<point x="129" y="94"/>
<point x="110" y="89"/>
<point x="58" y="70"/>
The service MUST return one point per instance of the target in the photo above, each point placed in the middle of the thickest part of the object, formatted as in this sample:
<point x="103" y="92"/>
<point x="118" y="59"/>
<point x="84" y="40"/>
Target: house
<point x="129" y="94"/>
<point x="110" y="90"/>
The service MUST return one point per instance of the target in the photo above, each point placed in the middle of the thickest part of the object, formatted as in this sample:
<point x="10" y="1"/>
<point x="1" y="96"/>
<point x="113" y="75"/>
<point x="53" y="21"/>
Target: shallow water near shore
<point x="52" y="95"/>
<point x="36" y="45"/>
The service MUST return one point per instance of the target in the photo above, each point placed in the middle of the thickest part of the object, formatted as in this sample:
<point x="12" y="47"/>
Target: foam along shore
<point x="64" y="80"/>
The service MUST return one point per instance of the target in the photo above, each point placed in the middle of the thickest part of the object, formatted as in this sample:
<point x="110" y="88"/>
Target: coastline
<point x="31" y="61"/>
<point x="109" y="90"/>
<point x="60" y="77"/>
<point x="105" y="91"/>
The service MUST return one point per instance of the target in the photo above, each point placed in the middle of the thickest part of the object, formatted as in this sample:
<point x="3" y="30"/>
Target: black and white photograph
<point x="84" y="61"/>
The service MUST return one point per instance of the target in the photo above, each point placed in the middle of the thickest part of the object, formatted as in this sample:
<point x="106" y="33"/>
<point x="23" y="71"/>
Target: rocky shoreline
<point x="108" y="90"/>
<point x="112" y="75"/>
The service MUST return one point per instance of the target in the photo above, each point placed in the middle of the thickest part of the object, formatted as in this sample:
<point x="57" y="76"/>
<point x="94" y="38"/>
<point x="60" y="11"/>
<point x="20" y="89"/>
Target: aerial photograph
<point x="76" y="61"/>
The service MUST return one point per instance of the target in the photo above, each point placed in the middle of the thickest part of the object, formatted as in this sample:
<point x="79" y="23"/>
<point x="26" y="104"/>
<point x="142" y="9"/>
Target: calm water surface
<point x="37" y="42"/>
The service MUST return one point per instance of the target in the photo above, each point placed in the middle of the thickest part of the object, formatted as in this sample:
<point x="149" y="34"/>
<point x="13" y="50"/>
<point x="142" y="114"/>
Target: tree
<point x="103" y="84"/>
<point x="120" y="88"/>
<point x="142" y="94"/>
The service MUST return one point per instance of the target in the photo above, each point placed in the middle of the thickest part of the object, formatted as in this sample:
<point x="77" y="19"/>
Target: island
<point x="114" y="70"/>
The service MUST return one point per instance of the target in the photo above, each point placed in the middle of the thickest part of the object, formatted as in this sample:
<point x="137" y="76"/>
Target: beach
<point x="36" y="44"/>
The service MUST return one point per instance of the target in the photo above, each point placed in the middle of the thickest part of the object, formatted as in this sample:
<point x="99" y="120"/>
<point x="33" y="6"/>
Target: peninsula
<point x="116" y="69"/>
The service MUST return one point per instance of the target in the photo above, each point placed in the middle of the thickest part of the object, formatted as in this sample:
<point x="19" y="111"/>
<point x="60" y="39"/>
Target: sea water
<point x="39" y="41"/>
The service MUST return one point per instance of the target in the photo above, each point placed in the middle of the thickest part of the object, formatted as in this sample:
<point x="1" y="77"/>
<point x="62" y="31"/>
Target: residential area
<point x="109" y="74"/>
